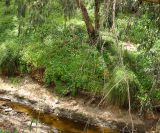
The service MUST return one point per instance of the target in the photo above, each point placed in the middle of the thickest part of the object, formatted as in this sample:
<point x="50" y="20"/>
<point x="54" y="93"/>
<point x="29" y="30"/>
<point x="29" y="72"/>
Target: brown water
<point x="61" y="125"/>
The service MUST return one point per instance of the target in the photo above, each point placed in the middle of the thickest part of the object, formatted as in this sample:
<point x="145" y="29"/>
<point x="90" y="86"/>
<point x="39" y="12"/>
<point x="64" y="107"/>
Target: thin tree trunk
<point x="97" y="16"/>
<point x="114" y="15"/>
<point x="106" y="12"/>
<point x="89" y="26"/>
<point x="107" y="5"/>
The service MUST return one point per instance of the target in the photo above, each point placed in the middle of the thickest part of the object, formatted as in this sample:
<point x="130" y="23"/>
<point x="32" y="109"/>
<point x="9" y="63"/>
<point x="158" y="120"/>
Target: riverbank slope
<point x="26" y="91"/>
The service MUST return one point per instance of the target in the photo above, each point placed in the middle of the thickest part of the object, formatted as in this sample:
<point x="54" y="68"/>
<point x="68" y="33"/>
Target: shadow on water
<point x="60" y="125"/>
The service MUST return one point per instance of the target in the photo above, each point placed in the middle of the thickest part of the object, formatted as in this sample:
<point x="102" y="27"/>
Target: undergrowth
<point x="61" y="48"/>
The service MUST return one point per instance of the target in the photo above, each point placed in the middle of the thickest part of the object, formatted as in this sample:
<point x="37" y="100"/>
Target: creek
<point x="54" y="123"/>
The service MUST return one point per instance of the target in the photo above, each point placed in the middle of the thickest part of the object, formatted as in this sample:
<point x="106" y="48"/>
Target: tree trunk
<point x="97" y="16"/>
<point x="106" y="12"/>
<point x="114" y="14"/>
<point x="89" y="26"/>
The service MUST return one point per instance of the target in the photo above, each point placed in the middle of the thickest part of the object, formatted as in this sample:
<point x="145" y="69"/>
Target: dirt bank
<point x="77" y="109"/>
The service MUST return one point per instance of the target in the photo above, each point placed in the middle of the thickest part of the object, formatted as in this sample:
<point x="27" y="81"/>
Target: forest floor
<point x="26" y="91"/>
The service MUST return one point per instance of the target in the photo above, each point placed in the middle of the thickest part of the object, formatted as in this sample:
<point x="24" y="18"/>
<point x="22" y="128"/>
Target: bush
<point x="81" y="69"/>
<point x="77" y="68"/>
<point x="67" y="60"/>
<point x="9" y="58"/>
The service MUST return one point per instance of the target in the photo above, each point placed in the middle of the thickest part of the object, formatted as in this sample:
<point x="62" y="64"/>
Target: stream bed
<point x="36" y="121"/>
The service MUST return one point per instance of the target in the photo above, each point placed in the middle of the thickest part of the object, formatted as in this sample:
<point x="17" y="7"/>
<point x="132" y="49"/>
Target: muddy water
<point x="60" y="125"/>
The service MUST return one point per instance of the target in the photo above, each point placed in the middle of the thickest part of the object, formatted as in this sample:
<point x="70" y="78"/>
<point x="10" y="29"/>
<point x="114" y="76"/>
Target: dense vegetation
<point x="108" y="48"/>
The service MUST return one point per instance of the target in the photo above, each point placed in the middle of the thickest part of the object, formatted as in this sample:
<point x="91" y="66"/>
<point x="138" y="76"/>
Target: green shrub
<point x="9" y="57"/>
<point x="68" y="60"/>
<point x="81" y="69"/>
